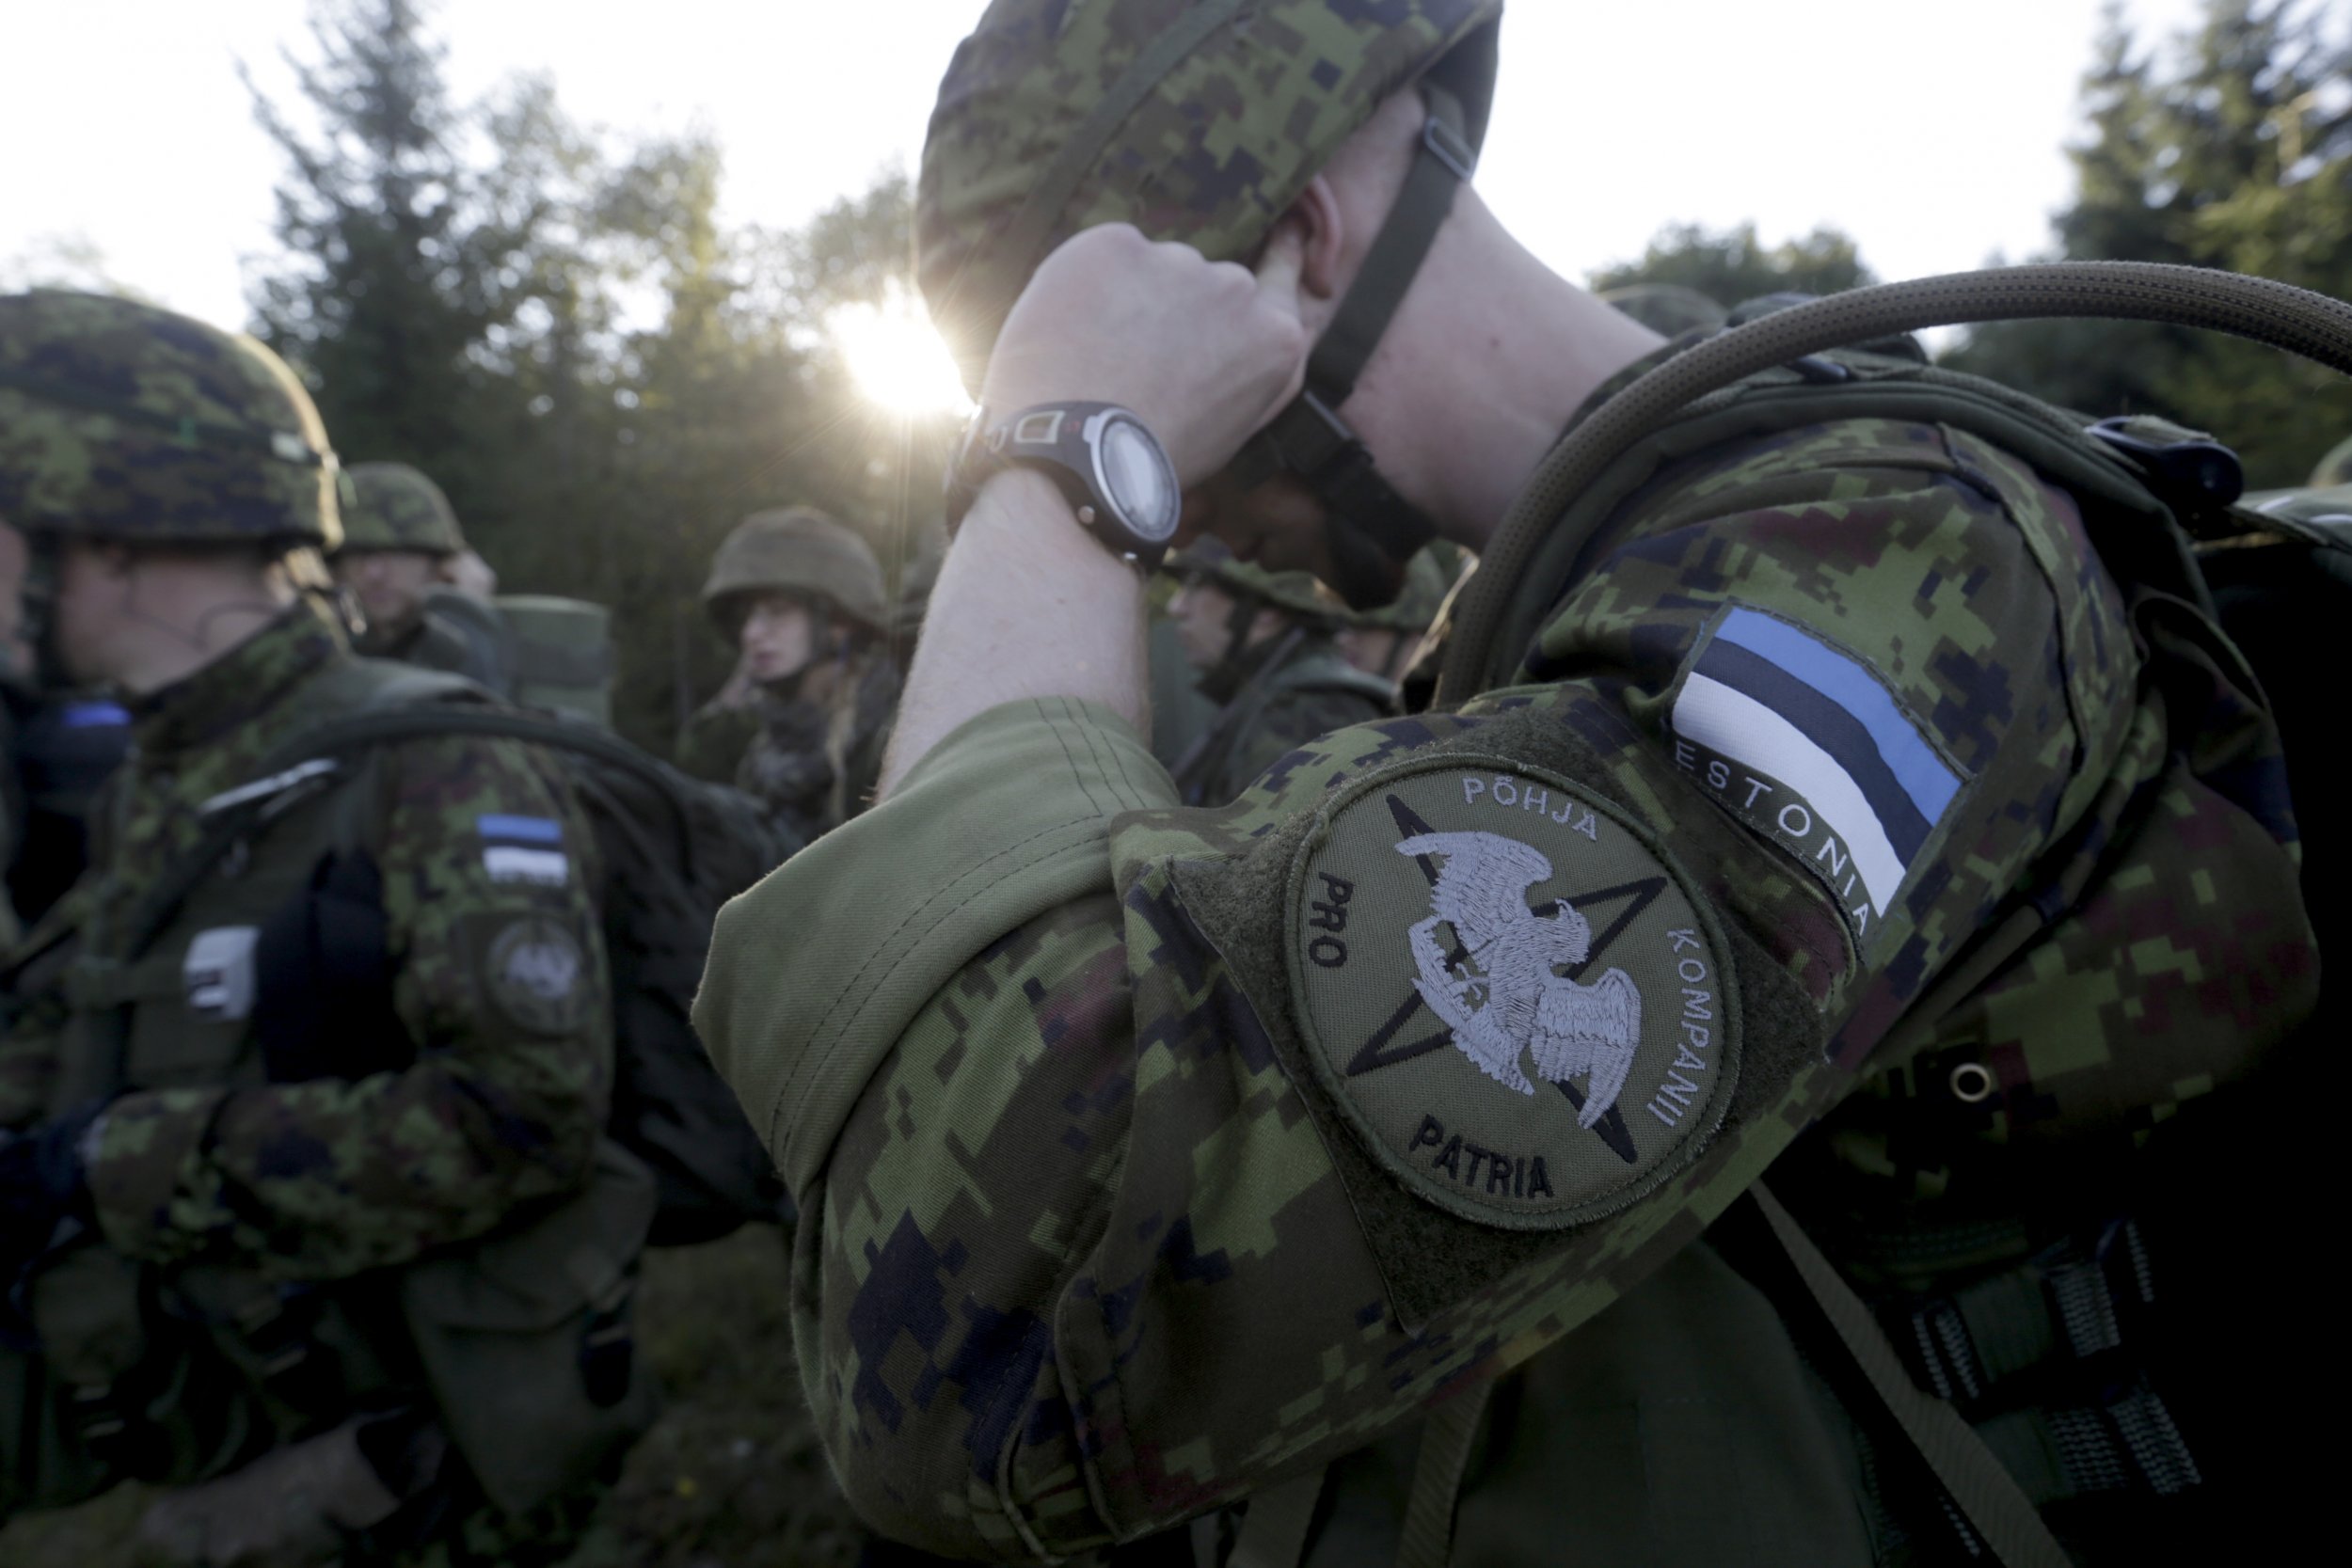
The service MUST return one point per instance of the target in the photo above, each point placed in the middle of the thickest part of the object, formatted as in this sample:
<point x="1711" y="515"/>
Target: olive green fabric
<point x="1022" y="152"/>
<point x="121" y="421"/>
<point x="796" y="550"/>
<point x="1682" y="1426"/>
<point x="395" y="507"/>
<point x="1044" y="778"/>
<point x="560" y="655"/>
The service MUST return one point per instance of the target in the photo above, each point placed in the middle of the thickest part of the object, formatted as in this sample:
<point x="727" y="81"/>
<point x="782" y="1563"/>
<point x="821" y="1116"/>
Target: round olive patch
<point x="1511" y="992"/>
<point x="536" y="971"/>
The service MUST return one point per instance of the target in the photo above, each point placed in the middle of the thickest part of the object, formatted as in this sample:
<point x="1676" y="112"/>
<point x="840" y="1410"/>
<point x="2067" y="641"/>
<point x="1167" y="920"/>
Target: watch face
<point x="1137" y="478"/>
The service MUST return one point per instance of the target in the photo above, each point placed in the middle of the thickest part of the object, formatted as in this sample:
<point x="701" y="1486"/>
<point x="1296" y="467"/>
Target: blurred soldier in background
<point x="306" y="1214"/>
<point x="801" y="724"/>
<point x="402" y="554"/>
<point x="1265" y="646"/>
<point x="1383" y="641"/>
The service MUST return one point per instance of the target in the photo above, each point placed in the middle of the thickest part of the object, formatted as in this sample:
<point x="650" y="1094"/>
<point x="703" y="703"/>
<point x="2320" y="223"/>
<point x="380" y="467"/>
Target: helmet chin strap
<point x="1371" y="529"/>
<point x="37" y="619"/>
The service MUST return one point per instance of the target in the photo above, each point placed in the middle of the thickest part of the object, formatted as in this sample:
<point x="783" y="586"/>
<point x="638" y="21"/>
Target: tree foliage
<point x="1732" y="265"/>
<point x="2232" y="149"/>
<point x="560" y="328"/>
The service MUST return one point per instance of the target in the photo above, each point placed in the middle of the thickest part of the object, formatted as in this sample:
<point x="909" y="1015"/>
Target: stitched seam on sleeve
<point x="1077" y="774"/>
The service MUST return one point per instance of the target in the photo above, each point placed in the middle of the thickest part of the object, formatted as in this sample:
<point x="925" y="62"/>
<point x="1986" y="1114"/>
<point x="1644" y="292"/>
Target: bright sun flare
<point x="897" y="359"/>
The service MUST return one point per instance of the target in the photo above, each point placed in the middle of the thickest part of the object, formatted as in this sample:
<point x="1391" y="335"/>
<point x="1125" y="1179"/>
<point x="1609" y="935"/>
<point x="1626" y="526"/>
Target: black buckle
<point x="1323" y="448"/>
<point x="2205" y="469"/>
<point x="1442" y="142"/>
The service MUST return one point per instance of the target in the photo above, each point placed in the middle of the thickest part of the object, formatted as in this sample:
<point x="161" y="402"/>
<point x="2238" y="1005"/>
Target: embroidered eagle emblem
<point x="1500" y="991"/>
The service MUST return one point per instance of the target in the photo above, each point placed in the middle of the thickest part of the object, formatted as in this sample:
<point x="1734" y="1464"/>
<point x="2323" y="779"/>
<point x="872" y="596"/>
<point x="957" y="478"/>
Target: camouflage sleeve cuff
<point x="815" y="973"/>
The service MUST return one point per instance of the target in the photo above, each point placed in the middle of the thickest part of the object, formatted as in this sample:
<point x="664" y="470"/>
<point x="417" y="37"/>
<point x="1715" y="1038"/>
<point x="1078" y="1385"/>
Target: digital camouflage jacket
<point x="811" y="765"/>
<point x="1280" y="695"/>
<point x="501" y="1094"/>
<point x="1147" y="1156"/>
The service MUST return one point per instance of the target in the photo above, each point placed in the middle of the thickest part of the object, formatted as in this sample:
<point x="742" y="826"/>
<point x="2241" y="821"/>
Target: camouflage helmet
<point x="1670" y="308"/>
<point x="395" y="507"/>
<point x="1294" y="593"/>
<point x="124" y="421"/>
<point x="1429" y="576"/>
<point x="2335" y="469"/>
<point x="1195" y="121"/>
<point x="796" y="550"/>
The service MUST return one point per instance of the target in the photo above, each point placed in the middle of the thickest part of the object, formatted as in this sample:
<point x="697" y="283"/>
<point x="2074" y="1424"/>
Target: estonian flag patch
<point x="1806" y="743"/>
<point x="523" y="849"/>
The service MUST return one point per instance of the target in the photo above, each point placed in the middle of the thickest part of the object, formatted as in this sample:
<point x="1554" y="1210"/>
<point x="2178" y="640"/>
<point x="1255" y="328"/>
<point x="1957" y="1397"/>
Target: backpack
<point x="2262" y="576"/>
<point x="674" y="849"/>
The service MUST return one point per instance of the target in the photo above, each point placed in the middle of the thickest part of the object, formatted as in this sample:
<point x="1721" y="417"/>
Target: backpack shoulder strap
<point x="393" y="723"/>
<point x="2003" y="1518"/>
<point x="1841" y="386"/>
<point x="359" y="688"/>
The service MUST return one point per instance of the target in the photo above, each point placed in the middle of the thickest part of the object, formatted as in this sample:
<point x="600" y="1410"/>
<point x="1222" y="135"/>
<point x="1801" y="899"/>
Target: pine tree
<point x="1732" y="265"/>
<point x="2236" y="153"/>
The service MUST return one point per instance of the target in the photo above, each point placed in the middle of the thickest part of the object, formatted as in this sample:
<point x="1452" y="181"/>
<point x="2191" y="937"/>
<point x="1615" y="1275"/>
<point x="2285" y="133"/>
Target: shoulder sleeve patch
<point x="1809" y="747"/>
<point x="536" y="973"/>
<point x="1512" y="994"/>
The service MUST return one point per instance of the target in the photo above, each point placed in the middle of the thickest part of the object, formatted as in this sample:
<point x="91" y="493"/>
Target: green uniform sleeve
<point x="1147" y="1158"/>
<point x="500" y="977"/>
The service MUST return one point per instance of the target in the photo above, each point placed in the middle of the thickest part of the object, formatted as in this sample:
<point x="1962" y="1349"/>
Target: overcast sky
<point x="1930" y="130"/>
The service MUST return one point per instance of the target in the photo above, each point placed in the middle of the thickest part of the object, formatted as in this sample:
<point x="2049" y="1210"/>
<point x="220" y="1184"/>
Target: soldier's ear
<point x="1325" y="264"/>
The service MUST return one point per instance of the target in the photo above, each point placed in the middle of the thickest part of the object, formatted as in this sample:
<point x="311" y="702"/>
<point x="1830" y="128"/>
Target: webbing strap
<point x="1307" y="437"/>
<point x="1440" y="170"/>
<point x="1987" y="1495"/>
<point x="1445" y="1451"/>
<point x="1274" y="1532"/>
<point x="1025" y="237"/>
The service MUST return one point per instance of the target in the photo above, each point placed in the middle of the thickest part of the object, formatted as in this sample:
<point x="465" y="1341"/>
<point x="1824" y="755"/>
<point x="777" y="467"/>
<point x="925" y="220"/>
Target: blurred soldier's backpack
<point x="552" y="654"/>
<point x="674" y="849"/>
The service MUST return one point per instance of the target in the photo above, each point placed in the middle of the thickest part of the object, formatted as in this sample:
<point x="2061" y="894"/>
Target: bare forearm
<point x="1028" y="605"/>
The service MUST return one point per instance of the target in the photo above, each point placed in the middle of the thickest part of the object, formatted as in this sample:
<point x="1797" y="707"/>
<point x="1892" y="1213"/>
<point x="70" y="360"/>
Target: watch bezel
<point x="1097" y="429"/>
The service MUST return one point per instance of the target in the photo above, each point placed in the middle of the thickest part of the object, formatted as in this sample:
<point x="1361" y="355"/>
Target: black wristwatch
<point x="1101" y="456"/>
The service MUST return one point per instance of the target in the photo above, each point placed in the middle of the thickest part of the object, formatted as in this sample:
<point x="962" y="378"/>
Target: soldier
<point x="1384" y="642"/>
<point x="801" y="724"/>
<point x="1151" y="1159"/>
<point x="302" y="1083"/>
<point x="403" y="556"/>
<point x="1264" y="645"/>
